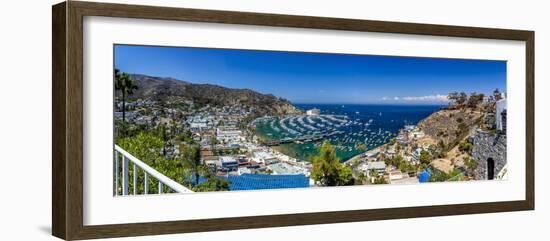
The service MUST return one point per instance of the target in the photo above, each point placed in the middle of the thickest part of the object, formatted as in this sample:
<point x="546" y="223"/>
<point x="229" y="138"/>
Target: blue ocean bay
<point x="350" y="126"/>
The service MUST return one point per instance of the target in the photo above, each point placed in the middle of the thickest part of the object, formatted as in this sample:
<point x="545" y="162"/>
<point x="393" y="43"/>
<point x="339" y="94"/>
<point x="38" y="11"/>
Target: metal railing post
<point x="124" y="176"/>
<point x="116" y="173"/>
<point x="135" y="179"/>
<point x="146" y="184"/>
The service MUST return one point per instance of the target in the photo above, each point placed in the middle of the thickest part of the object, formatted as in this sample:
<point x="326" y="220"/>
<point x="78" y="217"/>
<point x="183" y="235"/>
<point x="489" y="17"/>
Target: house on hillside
<point x="500" y="115"/>
<point x="378" y="166"/>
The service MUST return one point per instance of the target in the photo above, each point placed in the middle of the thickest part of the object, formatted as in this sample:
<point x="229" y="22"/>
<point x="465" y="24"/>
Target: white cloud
<point x="431" y="98"/>
<point x="426" y="98"/>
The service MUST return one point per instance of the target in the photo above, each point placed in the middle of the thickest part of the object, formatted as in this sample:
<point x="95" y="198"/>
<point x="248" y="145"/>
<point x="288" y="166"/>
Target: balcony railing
<point x="148" y="172"/>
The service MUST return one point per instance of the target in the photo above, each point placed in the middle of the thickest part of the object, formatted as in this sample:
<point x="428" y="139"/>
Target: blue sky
<point x="318" y="78"/>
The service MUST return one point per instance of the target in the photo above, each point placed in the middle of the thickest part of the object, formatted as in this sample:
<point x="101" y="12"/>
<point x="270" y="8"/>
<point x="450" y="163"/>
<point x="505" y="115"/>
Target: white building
<point x="313" y="111"/>
<point x="197" y="123"/>
<point x="229" y="162"/>
<point x="379" y="167"/>
<point x="282" y="168"/>
<point x="390" y="152"/>
<point x="244" y="170"/>
<point x="416" y="134"/>
<point x="409" y="128"/>
<point x="212" y="162"/>
<point x="395" y="175"/>
<point x="501" y="114"/>
<point x="264" y="157"/>
<point x="229" y="135"/>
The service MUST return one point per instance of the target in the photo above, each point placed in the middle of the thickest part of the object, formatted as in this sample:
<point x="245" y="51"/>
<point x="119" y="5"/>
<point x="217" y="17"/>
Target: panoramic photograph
<point x="201" y="120"/>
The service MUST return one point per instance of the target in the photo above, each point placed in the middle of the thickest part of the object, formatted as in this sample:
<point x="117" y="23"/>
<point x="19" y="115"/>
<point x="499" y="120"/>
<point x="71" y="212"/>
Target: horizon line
<point x="365" y="103"/>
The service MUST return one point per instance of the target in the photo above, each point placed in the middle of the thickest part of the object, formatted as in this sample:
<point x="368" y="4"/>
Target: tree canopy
<point x="147" y="147"/>
<point x="457" y="98"/>
<point x="425" y="156"/>
<point x="327" y="169"/>
<point x="475" y="99"/>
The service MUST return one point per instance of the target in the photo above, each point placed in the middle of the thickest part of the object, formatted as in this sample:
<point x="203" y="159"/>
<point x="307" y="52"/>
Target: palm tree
<point x="126" y="85"/>
<point x="192" y="163"/>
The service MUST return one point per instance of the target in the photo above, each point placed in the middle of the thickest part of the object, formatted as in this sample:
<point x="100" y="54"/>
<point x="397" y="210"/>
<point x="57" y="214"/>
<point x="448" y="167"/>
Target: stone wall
<point x="488" y="145"/>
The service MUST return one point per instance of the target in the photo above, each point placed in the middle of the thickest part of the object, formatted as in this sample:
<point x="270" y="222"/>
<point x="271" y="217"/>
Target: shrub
<point x="465" y="147"/>
<point x="470" y="163"/>
<point x="425" y="156"/>
<point x="380" y="180"/>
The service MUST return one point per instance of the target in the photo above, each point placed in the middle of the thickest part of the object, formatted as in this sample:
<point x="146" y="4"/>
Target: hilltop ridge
<point x="166" y="88"/>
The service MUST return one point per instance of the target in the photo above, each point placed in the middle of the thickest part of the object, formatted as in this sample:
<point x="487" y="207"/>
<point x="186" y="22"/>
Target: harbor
<point x="336" y="121"/>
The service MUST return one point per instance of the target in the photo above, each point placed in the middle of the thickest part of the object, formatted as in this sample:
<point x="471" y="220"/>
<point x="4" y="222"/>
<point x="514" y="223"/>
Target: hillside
<point x="158" y="88"/>
<point x="449" y="127"/>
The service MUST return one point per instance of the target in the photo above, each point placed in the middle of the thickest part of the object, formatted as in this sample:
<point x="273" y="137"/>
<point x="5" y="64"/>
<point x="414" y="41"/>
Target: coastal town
<point x="227" y="144"/>
<point x="446" y="146"/>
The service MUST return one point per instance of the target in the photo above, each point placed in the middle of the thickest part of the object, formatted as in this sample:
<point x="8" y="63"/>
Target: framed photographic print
<point x="170" y="120"/>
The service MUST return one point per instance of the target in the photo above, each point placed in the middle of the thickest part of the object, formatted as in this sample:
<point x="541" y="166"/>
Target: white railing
<point x="147" y="170"/>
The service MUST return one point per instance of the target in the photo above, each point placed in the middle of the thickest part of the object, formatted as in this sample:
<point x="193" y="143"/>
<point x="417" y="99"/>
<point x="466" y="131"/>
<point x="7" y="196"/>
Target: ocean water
<point x="350" y="128"/>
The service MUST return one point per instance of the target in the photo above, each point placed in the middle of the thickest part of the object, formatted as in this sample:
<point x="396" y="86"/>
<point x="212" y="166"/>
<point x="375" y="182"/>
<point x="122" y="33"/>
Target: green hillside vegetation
<point x="148" y="146"/>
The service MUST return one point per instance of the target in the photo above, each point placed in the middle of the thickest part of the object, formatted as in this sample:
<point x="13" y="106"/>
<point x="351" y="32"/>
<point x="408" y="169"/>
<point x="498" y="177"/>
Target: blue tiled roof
<point x="264" y="181"/>
<point x="424" y="176"/>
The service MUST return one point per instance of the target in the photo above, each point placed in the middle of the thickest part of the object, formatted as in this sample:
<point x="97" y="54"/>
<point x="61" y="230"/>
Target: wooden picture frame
<point x="67" y="122"/>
